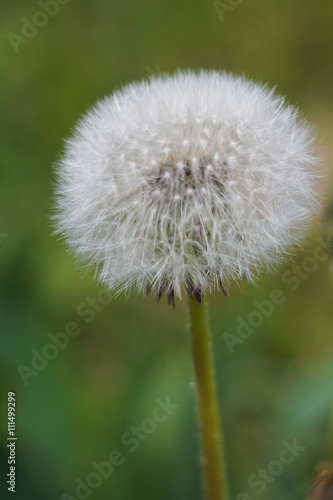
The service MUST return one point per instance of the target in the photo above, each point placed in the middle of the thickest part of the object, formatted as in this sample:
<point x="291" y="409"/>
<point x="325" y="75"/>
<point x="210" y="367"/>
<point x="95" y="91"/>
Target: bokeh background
<point x="276" y="386"/>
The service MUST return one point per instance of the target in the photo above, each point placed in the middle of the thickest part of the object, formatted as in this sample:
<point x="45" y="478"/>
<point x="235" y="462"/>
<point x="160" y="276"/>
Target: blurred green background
<point x="277" y="385"/>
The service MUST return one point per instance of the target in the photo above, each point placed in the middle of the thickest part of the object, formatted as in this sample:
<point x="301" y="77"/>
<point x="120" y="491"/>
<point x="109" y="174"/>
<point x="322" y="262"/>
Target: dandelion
<point x="183" y="184"/>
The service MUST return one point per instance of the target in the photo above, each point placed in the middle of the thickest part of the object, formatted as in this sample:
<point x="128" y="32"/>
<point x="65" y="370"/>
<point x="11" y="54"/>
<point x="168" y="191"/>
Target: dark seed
<point x="171" y="298"/>
<point x="198" y="294"/>
<point x="160" y="292"/>
<point x="190" y="287"/>
<point x="223" y="287"/>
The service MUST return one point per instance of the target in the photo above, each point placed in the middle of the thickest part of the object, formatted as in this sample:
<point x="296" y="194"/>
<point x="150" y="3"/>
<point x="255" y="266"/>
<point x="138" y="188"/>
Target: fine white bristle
<point x="186" y="182"/>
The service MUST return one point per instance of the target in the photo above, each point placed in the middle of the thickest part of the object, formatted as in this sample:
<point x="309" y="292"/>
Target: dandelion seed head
<point x="185" y="182"/>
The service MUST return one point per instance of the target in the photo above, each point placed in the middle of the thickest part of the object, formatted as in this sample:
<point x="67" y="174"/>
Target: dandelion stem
<point x="212" y="456"/>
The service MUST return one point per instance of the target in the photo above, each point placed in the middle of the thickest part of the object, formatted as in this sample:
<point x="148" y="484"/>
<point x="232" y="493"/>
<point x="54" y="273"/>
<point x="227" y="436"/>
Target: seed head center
<point x="178" y="180"/>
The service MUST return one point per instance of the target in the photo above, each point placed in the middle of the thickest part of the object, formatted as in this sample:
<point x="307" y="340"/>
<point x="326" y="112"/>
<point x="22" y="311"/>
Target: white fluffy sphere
<point x="184" y="182"/>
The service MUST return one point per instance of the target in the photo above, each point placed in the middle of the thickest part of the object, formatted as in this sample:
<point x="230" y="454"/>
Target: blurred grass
<point x="274" y="387"/>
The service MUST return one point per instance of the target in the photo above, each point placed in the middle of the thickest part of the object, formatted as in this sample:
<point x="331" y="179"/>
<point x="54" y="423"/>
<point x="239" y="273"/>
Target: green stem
<point x="212" y="457"/>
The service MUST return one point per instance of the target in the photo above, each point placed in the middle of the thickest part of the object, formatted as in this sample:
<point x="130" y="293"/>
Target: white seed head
<point x="186" y="182"/>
